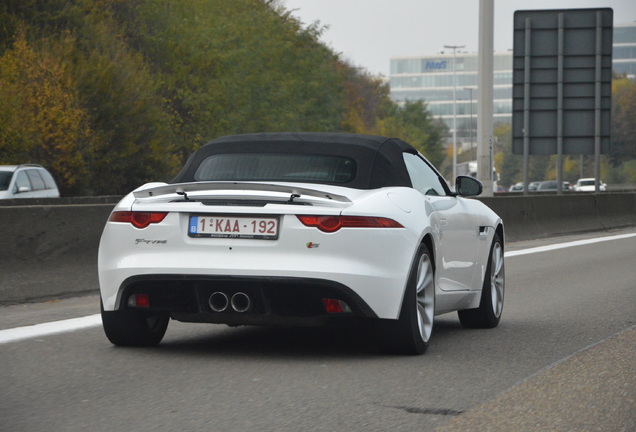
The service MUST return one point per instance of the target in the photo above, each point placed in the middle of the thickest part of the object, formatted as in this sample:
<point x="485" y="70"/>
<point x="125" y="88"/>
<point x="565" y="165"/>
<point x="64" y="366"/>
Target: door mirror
<point x="468" y="186"/>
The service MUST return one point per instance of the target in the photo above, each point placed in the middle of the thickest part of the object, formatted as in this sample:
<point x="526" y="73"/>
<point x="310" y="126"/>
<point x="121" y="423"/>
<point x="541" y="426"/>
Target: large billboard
<point x="562" y="81"/>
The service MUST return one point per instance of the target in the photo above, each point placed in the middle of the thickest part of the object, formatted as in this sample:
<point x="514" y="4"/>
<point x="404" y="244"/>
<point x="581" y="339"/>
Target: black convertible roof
<point x="379" y="159"/>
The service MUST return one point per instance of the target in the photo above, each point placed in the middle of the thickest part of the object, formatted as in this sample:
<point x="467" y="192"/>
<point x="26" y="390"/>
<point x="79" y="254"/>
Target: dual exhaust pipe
<point x="219" y="302"/>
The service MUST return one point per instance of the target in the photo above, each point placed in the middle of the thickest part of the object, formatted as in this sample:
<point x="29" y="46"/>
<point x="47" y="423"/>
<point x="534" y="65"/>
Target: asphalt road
<point x="562" y="358"/>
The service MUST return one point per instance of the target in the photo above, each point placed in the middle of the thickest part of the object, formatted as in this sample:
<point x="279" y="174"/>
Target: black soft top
<point x="379" y="159"/>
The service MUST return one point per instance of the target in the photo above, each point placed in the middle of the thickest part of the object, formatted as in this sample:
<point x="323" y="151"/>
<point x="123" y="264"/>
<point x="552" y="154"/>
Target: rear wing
<point x="183" y="189"/>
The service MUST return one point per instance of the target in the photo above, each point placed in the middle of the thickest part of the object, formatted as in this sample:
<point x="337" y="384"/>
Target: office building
<point x="432" y="78"/>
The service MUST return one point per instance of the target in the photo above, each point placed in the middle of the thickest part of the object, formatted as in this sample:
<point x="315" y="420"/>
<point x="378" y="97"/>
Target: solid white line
<point x="45" y="329"/>
<point x="566" y="245"/>
<point x="69" y="325"/>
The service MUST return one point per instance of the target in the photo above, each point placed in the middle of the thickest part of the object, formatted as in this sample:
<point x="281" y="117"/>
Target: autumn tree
<point x="117" y="93"/>
<point x="623" y="120"/>
<point x="134" y="140"/>
<point x="41" y="117"/>
<point x="367" y="100"/>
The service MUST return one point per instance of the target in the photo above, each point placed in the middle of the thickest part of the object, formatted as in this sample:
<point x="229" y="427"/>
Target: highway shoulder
<point x="592" y="390"/>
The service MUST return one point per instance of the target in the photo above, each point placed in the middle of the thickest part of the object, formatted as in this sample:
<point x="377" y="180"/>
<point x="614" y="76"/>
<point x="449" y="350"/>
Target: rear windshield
<point x="303" y="168"/>
<point x="48" y="179"/>
<point x="5" y="179"/>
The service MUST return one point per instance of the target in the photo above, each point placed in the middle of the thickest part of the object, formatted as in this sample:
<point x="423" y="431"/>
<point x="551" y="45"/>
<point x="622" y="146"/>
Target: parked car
<point x="588" y="185"/>
<point x="302" y="228"/>
<point x="26" y="181"/>
<point x="517" y="187"/>
<point x="551" y="186"/>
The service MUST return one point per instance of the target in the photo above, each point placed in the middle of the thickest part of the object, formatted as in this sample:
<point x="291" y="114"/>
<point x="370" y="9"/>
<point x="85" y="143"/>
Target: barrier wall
<point x="49" y="250"/>
<point x="541" y="216"/>
<point x="49" y="247"/>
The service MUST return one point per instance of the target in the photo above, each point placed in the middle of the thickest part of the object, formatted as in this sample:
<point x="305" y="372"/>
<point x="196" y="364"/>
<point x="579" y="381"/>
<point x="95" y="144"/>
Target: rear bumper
<point x="271" y="300"/>
<point x="373" y="264"/>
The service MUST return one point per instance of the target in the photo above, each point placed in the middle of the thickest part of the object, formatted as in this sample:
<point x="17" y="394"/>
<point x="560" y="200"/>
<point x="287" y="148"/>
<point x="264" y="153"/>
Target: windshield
<point x="5" y="179"/>
<point x="276" y="167"/>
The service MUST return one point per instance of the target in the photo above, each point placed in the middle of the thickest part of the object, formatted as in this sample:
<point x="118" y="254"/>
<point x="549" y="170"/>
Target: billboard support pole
<point x="526" y="107"/>
<point x="559" y="137"/>
<point x="597" y="103"/>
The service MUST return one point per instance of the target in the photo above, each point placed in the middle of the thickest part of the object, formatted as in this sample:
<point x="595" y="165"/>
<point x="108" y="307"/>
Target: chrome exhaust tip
<point x="240" y="302"/>
<point x="218" y="301"/>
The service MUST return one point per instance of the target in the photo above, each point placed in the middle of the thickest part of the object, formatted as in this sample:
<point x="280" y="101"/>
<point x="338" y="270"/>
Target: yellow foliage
<point x="44" y="122"/>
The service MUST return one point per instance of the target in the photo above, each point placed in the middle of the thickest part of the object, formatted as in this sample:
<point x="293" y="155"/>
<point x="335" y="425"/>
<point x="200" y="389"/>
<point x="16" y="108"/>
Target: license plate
<point x="245" y="227"/>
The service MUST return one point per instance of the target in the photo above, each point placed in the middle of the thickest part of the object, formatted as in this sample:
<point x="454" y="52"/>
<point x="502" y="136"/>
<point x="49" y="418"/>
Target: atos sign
<point x="435" y="65"/>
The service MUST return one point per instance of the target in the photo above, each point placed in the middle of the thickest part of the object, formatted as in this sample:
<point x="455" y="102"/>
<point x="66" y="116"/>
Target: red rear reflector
<point x="332" y="306"/>
<point x="334" y="223"/>
<point x="138" y="219"/>
<point x="335" y="306"/>
<point x="139" y="300"/>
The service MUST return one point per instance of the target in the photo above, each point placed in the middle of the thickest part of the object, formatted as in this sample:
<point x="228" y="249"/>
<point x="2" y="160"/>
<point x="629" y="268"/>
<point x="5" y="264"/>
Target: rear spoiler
<point x="184" y="188"/>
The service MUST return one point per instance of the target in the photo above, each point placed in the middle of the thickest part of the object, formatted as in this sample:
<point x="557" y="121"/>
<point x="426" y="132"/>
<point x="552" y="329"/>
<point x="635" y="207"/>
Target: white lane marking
<point x="566" y="245"/>
<point x="45" y="329"/>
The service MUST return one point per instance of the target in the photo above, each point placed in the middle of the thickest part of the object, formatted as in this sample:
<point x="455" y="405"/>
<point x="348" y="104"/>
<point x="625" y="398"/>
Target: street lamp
<point x="470" y="89"/>
<point x="454" y="48"/>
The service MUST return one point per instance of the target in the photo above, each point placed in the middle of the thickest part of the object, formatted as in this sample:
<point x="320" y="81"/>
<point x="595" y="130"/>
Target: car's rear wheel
<point x="411" y="333"/>
<point x="134" y="327"/>
<point x="488" y="314"/>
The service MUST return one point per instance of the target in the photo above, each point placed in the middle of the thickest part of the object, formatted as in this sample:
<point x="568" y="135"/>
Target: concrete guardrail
<point x="49" y="247"/>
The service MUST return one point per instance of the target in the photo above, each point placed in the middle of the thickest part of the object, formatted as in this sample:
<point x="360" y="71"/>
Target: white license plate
<point x="245" y="227"/>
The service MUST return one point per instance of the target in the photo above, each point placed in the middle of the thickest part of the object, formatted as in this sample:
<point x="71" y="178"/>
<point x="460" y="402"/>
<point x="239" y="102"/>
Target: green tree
<point x="414" y="124"/>
<point x="508" y="165"/>
<point x="136" y="86"/>
<point x="112" y="102"/>
<point x="133" y="141"/>
<point x="238" y="67"/>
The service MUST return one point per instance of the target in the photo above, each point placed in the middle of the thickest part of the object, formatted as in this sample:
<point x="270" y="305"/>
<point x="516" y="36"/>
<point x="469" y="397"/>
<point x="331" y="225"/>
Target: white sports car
<point x="302" y="228"/>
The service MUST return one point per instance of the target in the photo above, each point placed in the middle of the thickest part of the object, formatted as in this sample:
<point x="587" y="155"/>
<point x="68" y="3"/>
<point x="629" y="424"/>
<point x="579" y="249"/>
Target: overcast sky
<point x="368" y="33"/>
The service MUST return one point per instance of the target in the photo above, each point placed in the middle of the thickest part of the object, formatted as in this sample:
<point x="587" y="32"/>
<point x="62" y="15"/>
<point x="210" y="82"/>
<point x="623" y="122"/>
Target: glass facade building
<point x="432" y="77"/>
<point x="624" y="49"/>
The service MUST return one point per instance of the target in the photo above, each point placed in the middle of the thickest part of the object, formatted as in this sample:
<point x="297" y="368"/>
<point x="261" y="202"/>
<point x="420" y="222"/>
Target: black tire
<point x="134" y="327"/>
<point x="488" y="314"/>
<point x="411" y="333"/>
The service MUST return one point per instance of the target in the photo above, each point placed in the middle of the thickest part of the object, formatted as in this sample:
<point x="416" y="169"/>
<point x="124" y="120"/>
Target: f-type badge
<point x="150" y="242"/>
<point x="312" y="245"/>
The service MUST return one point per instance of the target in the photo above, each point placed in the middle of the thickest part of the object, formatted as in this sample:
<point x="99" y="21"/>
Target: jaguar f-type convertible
<point x="302" y="229"/>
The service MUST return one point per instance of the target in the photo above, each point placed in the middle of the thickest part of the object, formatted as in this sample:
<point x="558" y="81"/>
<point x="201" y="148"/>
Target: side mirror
<point x="23" y="189"/>
<point x="468" y="186"/>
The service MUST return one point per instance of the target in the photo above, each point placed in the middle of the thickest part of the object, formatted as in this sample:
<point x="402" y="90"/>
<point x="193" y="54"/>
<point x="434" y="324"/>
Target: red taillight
<point x="137" y="219"/>
<point x="323" y="223"/>
<point x="334" y="223"/>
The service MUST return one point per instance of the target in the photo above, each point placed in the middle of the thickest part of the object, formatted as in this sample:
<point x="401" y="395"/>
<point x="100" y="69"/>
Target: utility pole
<point x="472" y="127"/>
<point x="454" y="48"/>
<point x="485" y="96"/>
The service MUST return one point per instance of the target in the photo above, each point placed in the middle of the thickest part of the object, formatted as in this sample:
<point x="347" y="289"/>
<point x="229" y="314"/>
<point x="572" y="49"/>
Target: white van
<point x="26" y="181"/>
